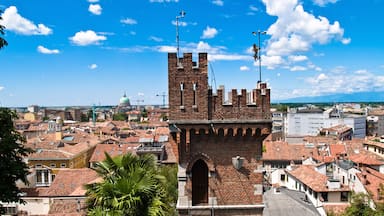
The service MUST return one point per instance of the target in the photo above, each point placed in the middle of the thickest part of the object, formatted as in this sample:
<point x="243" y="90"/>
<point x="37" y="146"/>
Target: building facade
<point x="219" y="144"/>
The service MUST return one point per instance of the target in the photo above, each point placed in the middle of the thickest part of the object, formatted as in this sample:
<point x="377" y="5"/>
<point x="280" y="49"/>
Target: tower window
<point x="181" y="94"/>
<point x="194" y="93"/>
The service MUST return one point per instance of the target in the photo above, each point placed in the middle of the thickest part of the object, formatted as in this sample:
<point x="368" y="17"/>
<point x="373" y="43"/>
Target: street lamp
<point x="182" y="14"/>
<point x="257" y="50"/>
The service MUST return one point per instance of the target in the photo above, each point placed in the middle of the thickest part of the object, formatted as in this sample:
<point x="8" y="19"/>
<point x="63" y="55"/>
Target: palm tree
<point x="3" y="42"/>
<point x="131" y="186"/>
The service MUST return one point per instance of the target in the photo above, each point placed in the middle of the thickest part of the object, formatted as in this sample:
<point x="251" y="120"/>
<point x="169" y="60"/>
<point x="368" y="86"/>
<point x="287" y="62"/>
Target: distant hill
<point x="338" y="98"/>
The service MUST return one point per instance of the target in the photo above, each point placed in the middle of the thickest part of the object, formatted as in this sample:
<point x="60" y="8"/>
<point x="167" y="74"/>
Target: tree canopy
<point x="3" y="42"/>
<point x="12" y="151"/>
<point x="131" y="185"/>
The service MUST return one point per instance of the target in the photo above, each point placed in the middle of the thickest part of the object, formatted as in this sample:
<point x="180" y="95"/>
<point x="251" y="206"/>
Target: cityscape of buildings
<point x="236" y="154"/>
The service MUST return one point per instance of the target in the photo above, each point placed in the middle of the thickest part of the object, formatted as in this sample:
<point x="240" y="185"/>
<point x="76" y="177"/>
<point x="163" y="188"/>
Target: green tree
<point x="131" y="185"/>
<point x="3" y="42"/>
<point x="12" y="151"/>
<point x="359" y="206"/>
<point x="120" y="117"/>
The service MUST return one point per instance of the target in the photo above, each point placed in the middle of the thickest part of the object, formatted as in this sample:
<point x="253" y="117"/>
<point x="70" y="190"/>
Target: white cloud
<point x="128" y="21"/>
<point x="181" y="23"/>
<point x="93" y="1"/>
<point x="346" y="40"/>
<point x="209" y="33"/>
<point x="322" y="3"/>
<point x="253" y="8"/>
<point x="244" y="68"/>
<point x="271" y="62"/>
<point x="95" y="9"/>
<point x="157" y="39"/>
<point x="92" y="66"/>
<point x="297" y="30"/>
<point x="297" y="58"/>
<point x="89" y="37"/>
<point x="298" y="68"/>
<point x="1" y="88"/>
<point x="162" y="1"/>
<point x="44" y="50"/>
<point x="13" y="21"/>
<point x="218" y="2"/>
<point x="166" y="49"/>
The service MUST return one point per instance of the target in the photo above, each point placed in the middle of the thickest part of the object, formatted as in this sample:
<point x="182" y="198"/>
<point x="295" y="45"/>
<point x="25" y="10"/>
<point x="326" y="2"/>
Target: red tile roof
<point x="313" y="179"/>
<point x="372" y="182"/>
<point x="70" y="182"/>
<point x="279" y="150"/>
<point x="113" y="150"/>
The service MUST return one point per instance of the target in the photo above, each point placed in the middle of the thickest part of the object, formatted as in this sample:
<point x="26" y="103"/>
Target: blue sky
<point x="85" y="52"/>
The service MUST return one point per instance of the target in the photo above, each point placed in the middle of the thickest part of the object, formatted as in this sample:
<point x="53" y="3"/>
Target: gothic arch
<point x="204" y="157"/>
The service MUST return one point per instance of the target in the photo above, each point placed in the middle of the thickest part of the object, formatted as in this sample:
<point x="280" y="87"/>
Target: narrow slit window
<point x="181" y="93"/>
<point x="194" y="93"/>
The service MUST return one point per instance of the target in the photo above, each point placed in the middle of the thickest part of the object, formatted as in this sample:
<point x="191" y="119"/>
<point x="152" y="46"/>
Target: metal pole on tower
<point x="257" y="50"/>
<point x="182" y="14"/>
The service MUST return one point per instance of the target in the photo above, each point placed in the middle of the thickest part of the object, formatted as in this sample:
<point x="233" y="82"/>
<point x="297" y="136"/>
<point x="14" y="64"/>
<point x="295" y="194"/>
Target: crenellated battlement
<point x="191" y="98"/>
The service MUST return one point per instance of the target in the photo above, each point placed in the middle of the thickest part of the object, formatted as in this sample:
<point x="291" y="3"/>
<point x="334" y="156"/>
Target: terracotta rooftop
<point x="313" y="179"/>
<point x="372" y="181"/>
<point x="337" y="149"/>
<point x="70" y="182"/>
<point x="365" y="159"/>
<point x="279" y="150"/>
<point x="113" y="150"/>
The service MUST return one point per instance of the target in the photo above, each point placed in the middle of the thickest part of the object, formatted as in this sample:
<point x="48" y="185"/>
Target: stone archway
<point x="199" y="183"/>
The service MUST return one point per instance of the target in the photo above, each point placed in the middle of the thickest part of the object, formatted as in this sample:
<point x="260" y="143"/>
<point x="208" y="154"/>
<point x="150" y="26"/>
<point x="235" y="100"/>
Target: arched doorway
<point x="199" y="183"/>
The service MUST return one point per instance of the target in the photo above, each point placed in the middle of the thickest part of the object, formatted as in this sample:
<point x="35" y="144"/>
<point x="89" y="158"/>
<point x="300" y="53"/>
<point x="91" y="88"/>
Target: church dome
<point x="124" y="101"/>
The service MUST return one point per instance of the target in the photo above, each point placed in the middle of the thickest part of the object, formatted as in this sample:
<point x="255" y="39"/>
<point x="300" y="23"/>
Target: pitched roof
<point x="313" y="179"/>
<point x="279" y="150"/>
<point x="70" y="182"/>
<point x="372" y="180"/>
<point x="112" y="150"/>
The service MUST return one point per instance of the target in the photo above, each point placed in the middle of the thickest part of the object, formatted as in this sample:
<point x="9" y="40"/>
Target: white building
<point x="309" y="121"/>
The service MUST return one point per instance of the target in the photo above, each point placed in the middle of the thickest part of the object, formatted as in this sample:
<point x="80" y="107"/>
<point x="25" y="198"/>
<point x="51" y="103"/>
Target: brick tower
<point x="219" y="142"/>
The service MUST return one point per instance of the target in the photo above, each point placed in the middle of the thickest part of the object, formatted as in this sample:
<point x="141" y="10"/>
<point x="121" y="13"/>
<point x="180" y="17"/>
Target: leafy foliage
<point x="360" y="206"/>
<point x="131" y="185"/>
<point x="120" y="117"/>
<point x="12" y="151"/>
<point x="3" y="42"/>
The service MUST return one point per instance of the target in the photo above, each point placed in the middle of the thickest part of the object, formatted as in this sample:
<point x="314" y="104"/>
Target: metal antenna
<point x="182" y="14"/>
<point x="162" y="95"/>
<point x="257" y="50"/>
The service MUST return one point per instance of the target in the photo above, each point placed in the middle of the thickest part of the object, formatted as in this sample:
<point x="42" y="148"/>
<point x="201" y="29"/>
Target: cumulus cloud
<point x="215" y="53"/>
<point x="343" y="81"/>
<point x="44" y="50"/>
<point x="298" y="68"/>
<point x="13" y="21"/>
<point x="209" y="33"/>
<point x="297" y="58"/>
<point x="1" y="88"/>
<point x="322" y="3"/>
<point x="89" y="37"/>
<point x="296" y="30"/>
<point x="128" y="21"/>
<point x="218" y="2"/>
<point x="244" y="68"/>
<point x="95" y="9"/>
<point x="93" y="1"/>
<point x="92" y="66"/>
